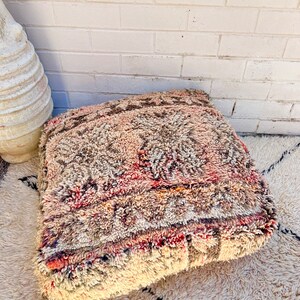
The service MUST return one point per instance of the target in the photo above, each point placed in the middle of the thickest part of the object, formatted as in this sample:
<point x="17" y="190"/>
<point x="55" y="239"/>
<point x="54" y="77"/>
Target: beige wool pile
<point x="271" y="273"/>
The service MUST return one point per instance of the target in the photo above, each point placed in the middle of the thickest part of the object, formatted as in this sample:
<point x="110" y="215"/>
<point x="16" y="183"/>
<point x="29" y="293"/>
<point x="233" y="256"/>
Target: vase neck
<point x="10" y="30"/>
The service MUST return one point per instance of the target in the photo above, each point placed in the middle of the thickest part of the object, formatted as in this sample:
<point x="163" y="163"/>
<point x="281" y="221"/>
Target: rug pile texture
<point x="271" y="273"/>
<point x="142" y="188"/>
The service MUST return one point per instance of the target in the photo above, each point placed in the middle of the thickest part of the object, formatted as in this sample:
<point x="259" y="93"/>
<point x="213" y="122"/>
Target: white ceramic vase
<point x="25" y="97"/>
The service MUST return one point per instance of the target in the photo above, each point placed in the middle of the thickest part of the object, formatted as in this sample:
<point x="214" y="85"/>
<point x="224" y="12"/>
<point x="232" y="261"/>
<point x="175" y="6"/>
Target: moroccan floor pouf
<point x="141" y="188"/>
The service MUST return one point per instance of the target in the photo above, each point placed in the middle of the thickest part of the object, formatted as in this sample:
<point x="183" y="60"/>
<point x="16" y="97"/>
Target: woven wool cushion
<point x="141" y="188"/>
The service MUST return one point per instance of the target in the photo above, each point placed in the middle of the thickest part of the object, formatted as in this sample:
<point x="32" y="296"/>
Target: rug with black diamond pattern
<point x="271" y="273"/>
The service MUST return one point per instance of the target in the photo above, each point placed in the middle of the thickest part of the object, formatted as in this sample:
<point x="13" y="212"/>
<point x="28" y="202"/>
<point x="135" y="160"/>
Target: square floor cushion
<point x="141" y="188"/>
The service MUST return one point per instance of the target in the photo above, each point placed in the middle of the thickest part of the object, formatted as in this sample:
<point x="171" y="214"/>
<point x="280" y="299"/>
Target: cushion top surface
<point x="141" y="173"/>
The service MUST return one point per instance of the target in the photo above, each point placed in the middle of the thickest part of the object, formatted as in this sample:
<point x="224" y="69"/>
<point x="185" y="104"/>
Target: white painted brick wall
<point x="278" y="127"/>
<point x="240" y="90"/>
<point x="293" y="48"/>
<point x="104" y="63"/>
<point x="186" y="43"/>
<point x="224" y="105"/>
<point x="264" y="3"/>
<point x="62" y="39"/>
<point x="222" y="19"/>
<point x="213" y="68"/>
<point x="139" y="84"/>
<point x="245" y="54"/>
<point x="151" y="65"/>
<point x="261" y="110"/>
<point x="153" y="17"/>
<point x="273" y="70"/>
<point x="295" y="113"/>
<point x="244" y="125"/>
<point x="93" y="15"/>
<point x="252" y="46"/>
<point x="122" y="41"/>
<point x="279" y="22"/>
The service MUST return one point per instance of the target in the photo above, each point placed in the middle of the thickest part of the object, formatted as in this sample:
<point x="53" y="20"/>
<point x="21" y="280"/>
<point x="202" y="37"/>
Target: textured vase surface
<point x="25" y="97"/>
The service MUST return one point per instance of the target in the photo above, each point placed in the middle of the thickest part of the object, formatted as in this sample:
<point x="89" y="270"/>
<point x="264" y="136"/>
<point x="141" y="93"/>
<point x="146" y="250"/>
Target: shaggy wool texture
<point x="271" y="273"/>
<point x="139" y="189"/>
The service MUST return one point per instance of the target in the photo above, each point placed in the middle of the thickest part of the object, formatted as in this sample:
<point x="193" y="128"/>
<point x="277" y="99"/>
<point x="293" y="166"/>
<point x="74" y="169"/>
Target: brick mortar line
<point x="120" y="15"/>
<point x="212" y="98"/>
<point x="139" y="29"/>
<point x="194" y="78"/>
<point x="167" y="55"/>
<point x="176" y="77"/>
<point x="153" y="4"/>
<point x="264" y="119"/>
<point x="244" y="71"/>
<point x="285" y="47"/>
<point x="219" y="45"/>
<point x="269" y="91"/>
<point x="257" y="20"/>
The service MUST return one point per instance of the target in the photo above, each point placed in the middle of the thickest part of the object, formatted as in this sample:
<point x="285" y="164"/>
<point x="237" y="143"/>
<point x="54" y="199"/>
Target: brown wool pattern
<point x="141" y="188"/>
